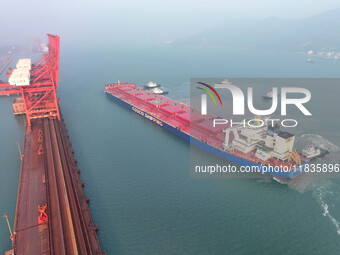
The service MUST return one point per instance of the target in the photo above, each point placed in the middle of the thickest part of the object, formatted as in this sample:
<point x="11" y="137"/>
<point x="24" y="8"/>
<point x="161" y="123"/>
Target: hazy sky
<point x="87" y="22"/>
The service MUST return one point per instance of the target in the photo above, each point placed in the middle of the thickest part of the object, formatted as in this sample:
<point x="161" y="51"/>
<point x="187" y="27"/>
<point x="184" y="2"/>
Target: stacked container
<point x="21" y="76"/>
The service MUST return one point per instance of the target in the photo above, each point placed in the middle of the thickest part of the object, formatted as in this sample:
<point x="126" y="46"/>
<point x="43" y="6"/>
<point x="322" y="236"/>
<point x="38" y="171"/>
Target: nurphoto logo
<point x="239" y="103"/>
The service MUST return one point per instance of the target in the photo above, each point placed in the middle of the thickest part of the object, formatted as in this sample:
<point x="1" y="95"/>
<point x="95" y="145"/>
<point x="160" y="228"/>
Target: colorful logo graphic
<point x="209" y="93"/>
<point x="239" y="100"/>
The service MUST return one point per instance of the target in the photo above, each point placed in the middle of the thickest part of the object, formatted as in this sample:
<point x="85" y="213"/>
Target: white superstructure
<point x="245" y="139"/>
<point x="278" y="144"/>
<point x="265" y="142"/>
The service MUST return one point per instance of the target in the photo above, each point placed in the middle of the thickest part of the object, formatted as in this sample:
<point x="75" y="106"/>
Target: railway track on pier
<point x="69" y="231"/>
<point x="49" y="179"/>
<point x="52" y="215"/>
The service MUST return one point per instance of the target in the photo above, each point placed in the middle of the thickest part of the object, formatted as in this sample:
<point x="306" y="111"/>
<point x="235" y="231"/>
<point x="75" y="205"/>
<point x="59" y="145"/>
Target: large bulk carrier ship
<point x="264" y="148"/>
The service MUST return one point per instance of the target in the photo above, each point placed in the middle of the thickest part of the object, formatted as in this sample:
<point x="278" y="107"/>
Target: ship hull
<point x="215" y="151"/>
<point x="157" y="86"/>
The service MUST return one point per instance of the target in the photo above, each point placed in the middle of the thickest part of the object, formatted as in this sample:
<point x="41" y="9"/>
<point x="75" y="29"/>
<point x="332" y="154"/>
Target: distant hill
<point x="318" y="33"/>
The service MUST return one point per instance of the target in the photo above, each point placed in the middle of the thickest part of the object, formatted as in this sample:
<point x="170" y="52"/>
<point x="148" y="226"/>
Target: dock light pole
<point x="9" y="226"/>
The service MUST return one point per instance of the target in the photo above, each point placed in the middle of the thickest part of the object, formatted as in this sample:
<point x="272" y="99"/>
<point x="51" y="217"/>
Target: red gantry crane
<point x="39" y="94"/>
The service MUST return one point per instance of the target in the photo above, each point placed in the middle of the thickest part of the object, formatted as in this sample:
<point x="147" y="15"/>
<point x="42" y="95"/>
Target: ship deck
<point x="183" y="117"/>
<point x="174" y="113"/>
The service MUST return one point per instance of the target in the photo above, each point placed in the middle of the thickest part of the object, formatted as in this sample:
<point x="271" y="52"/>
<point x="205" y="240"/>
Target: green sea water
<point x="137" y="175"/>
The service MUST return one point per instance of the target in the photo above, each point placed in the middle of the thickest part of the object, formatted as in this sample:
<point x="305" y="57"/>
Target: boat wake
<point x="321" y="142"/>
<point x="321" y="190"/>
<point x="281" y="180"/>
<point x="320" y="194"/>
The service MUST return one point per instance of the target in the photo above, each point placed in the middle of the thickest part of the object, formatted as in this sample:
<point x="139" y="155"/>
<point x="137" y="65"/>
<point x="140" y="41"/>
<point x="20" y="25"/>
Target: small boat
<point x="312" y="152"/>
<point x="226" y="81"/>
<point x="223" y="83"/>
<point x="151" y="85"/>
<point x="309" y="60"/>
<point x="268" y="95"/>
<point x="159" y="91"/>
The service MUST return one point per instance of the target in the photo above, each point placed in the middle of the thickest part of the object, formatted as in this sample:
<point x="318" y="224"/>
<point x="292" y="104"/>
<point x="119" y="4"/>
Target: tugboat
<point x="312" y="152"/>
<point x="159" y="91"/>
<point x="151" y="85"/>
